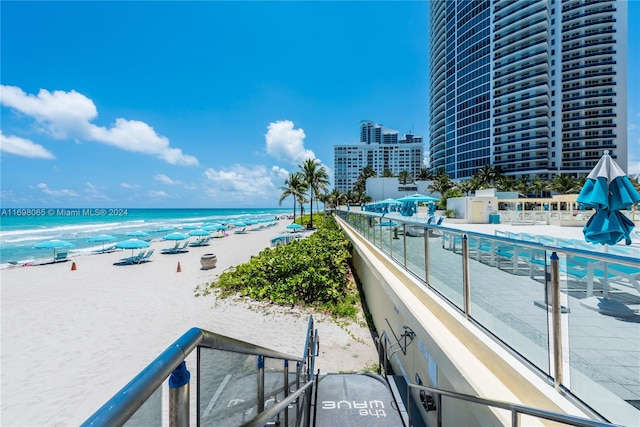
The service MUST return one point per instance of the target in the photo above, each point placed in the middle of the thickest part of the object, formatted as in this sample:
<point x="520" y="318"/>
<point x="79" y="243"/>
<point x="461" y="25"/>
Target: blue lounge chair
<point x="132" y="259"/>
<point x="201" y="242"/>
<point x="146" y="257"/>
<point x="177" y="249"/>
<point x="60" y="257"/>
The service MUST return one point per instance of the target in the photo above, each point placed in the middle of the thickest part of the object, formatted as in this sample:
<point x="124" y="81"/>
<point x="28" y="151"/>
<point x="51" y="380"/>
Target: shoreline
<point x="72" y="338"/>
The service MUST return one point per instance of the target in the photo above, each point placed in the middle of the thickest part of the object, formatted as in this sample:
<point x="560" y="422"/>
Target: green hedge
<point x="309" y="272"/>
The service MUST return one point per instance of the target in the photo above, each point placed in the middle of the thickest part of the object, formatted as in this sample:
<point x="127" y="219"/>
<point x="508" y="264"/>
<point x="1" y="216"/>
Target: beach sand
<point x="72" y="339"/>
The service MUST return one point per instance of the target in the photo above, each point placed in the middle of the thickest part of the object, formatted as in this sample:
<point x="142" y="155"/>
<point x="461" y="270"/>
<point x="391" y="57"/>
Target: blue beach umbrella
<point x="418" y="198"/>
<point x="164" y="229"/>
<point x="54" y="244"/>
<point x="200" y="232"/>
<point x="132" y="244"/>
<point x="102" y="238"/>
<point x="137" y="234"/>
<point x="175" y="236"/>
<point x="388" y="224"/>
<point x="294" y="227"/>
<point x="608" y="190"/>
<point x="409" y="203"/>
<point x="214" y="227"/>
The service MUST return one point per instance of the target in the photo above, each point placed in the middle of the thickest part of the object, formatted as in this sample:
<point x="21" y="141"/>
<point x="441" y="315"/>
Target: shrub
<point x="308" y="272"/>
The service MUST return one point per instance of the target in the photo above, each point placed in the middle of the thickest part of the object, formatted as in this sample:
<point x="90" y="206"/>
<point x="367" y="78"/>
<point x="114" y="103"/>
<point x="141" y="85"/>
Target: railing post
<point x="260" y="384"/>
<point x="286" y="390"/>
<point x="556" y="320"/>
<point x="466" y="287"/>
<point x="390" y="239"/>
<point x="298" y="373"/>
<point x="409" y="422"/>
<point x="426" y="255"/>
<point x="404" y="242"/>
<point x="179" y="396"/>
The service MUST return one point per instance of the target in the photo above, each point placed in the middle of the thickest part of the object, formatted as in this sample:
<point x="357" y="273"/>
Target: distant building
<point x="391" y="188"/>
<point x="536" y="87"/>
<point x="379" y="148"/>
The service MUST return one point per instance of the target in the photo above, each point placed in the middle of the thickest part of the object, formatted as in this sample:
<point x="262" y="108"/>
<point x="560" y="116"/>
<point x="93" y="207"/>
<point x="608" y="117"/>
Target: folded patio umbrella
<point x="608" y="190"/>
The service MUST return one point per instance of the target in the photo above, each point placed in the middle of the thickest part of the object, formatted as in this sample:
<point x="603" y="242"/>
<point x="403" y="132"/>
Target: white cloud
<point x="63" y="114"/>
<point x="23" y="147"/>
<point x="239" y="183"/>
<point x="94" y="192"/>
<point x="129" y="186"/>
<point x="165" y="179"/>
<point x="280" y="172"/>
<point x="68" y="115"/>
<point x="286" y="143"/>
<point x="56" y="193"/>
<point x="137" y="136"/>
<point x="158" y="194"/>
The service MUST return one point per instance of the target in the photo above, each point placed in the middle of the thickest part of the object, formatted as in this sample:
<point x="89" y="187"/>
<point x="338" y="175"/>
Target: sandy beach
<point x="71" y="339"/>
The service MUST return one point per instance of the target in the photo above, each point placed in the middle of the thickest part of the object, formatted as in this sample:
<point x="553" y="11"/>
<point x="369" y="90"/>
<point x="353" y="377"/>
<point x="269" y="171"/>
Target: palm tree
<point x="538" y="186"/>
<point x="469" y="185"/>
<point x="333" y="199"/>
<point x="361" y="182"/>
<point x="564" y="184"/>
<point x="425" y="174"/>
<point x="293" y="186"/>
<point x="522" y="185"/>
<point x="505" y="183"/>
<point x="316" y="178"/>
<point x="441" y="183"/>
<point x="487" y="174"/>
<point x="404" y="176"/>
<point x="387" y="173"/>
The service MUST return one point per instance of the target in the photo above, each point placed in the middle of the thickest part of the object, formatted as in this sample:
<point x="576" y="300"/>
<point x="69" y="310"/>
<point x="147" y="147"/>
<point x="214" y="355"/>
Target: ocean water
<point x="22" y="229"/>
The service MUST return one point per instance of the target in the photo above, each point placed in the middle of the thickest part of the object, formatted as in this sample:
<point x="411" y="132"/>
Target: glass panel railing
<point x="603" y="342"/>
<point x="414" y="238"/>
<point x="150" y="413"/>
<point x="445" y="265"/>
<point x="495" y="292"/>
<point x="510" y="296"/>
<point x="228" y="387"/>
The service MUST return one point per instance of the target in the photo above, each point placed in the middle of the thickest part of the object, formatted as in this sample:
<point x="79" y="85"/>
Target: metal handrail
<point x="262" y="418"/>
<point x="599" y="256"/>
<point x="117" y="410"/>
<point x="515" y="409"/>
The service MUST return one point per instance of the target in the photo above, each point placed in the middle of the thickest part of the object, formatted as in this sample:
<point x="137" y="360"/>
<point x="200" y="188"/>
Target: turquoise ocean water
<point x="21" y="229"/>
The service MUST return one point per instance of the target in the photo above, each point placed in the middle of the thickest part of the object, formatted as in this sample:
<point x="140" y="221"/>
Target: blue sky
<point x="204" y="104"/>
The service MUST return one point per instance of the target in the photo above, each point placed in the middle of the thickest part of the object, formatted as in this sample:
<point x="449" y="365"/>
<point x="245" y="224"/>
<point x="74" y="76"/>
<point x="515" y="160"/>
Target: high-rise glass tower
<point x="536" y="87"/>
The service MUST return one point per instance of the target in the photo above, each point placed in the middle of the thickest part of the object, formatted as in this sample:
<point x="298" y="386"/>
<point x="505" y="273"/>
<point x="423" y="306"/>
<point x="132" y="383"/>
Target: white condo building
<point x="379" y="148"/>
<point x="536" y="87"/>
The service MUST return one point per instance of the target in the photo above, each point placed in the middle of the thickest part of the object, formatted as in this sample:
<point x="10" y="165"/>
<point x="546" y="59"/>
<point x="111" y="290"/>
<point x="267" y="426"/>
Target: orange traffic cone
<point x="73" y="266"/>
<point x="179" y="269"/>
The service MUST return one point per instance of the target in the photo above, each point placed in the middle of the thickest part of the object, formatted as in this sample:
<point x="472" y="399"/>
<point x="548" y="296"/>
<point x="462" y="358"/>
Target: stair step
<point x="355" y="400"/>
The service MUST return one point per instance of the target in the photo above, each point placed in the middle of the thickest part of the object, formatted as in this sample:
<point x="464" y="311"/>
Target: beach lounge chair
<point x="146" y="257"/>
<point x="60" y="257"/>
<point x="241" y="230"/>
<point x="201" y="242"/>
<point x="131" y="259"/>
<point x="177" y="249"/>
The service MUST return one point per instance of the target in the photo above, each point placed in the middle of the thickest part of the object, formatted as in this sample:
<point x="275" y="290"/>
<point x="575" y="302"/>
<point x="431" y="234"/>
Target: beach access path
<point x="70" y="339"/>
